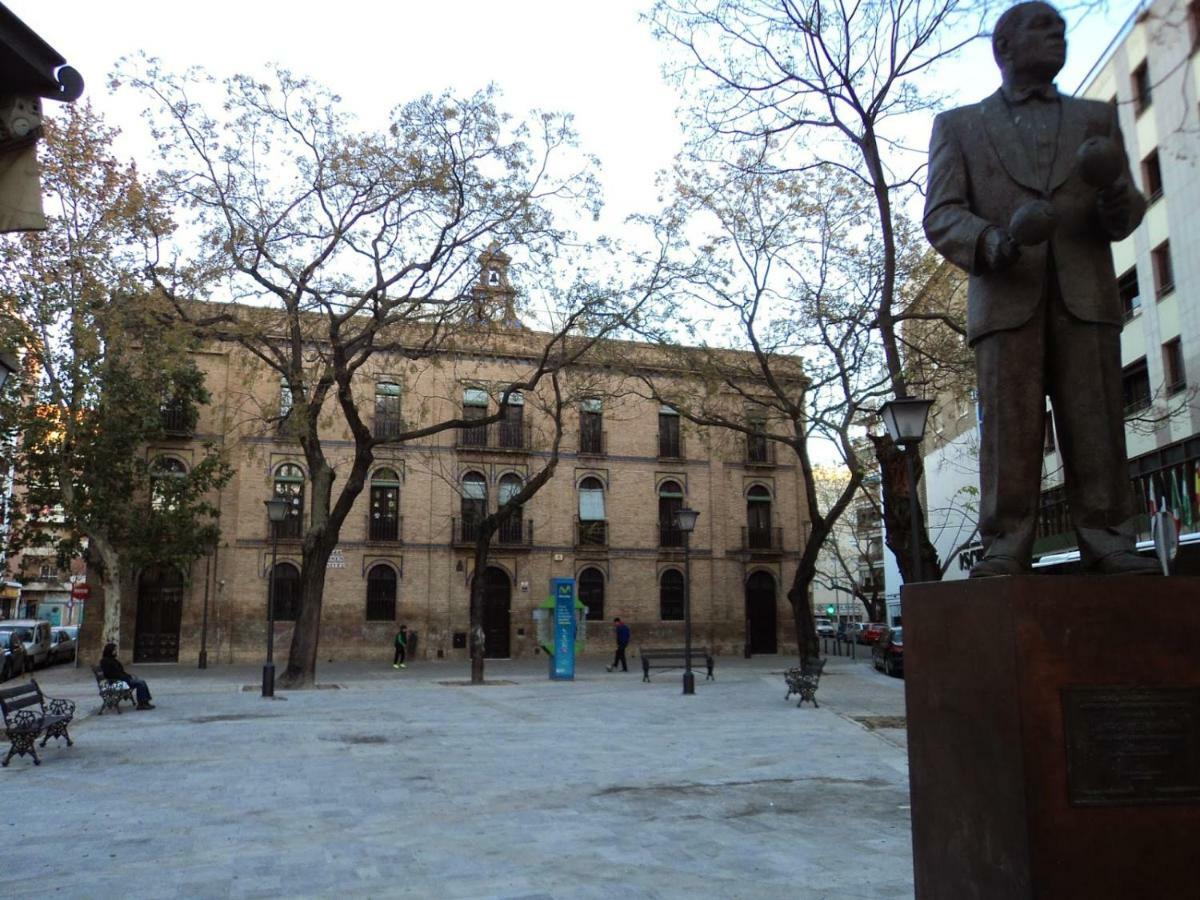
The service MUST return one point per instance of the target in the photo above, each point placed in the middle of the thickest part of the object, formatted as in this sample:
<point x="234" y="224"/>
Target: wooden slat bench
<point x="112" y="692"/>
<point x="673" y="658"/>
<point x="28" y="715"/>
<point x="804" y="680"/>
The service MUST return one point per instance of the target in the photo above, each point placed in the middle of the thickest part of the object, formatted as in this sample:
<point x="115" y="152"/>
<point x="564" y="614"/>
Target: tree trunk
<point x="111" y="580"/>
<point x="301" y="671"/>
<point x="898" y="497"/>
<point x="807" y="642"/>
<point x="483" y="541"/>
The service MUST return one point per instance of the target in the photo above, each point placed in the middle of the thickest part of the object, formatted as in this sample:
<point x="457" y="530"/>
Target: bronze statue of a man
<point x="1027" y="189"/>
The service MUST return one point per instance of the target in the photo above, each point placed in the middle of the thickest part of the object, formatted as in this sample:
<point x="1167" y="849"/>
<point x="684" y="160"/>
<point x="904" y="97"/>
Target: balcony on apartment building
<point x="385" y="529"/>
<point x="759" y="451"/>
<point x="593" y="442"/>
<point x="515" y="533"/>
<point x="503" y="437"/>
<point x="591" y="534"/>
<point x="762" y="540"/>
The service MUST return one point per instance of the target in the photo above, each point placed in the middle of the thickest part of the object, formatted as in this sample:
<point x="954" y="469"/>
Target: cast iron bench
<point x="673" y="658"/>
<point x="27" y="715"/>
<point x="804" y="679"/>
<point x="112" y="692"/>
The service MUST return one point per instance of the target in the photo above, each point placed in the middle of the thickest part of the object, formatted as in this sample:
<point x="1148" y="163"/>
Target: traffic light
<point x="829" y="610"/>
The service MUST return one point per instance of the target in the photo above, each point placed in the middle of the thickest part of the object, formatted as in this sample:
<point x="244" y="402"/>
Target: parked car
<point x="825" y="628"/>
<point x="870" y="632"/>
<point x="63" y="641"/>
<point x="36" y="635"/>
<point x="888" y="652"/>
<point x="13" y="658"/>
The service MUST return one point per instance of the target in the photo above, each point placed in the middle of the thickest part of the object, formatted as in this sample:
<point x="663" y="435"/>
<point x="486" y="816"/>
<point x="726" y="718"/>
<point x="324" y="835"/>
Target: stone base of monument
<point x="1054" y="736"/>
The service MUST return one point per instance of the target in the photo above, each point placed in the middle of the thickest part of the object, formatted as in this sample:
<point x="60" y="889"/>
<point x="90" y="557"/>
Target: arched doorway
<point x="760" y="613"/>
<point x="159" y="611"/>
<point x="497" y="606"/>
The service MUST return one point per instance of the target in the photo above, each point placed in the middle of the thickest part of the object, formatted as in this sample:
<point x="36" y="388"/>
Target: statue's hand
<point x="999" y="249"/>
<point x="1114" y="205"/>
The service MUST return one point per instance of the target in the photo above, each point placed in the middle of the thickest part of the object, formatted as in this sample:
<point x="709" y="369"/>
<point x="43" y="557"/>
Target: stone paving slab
<point x="397" y="785"/>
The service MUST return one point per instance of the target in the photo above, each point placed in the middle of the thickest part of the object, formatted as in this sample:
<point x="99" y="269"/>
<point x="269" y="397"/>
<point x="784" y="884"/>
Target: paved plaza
<point x="411" y="783"/>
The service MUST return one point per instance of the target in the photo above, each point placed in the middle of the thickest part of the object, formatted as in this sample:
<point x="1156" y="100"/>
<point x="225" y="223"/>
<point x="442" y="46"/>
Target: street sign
<point x="80" y="591"/>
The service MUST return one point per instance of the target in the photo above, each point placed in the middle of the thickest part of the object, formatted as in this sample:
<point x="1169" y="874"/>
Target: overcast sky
<point x="595" y="59"/>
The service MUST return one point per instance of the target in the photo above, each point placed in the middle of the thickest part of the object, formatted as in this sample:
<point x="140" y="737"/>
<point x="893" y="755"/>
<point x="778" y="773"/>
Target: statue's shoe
<point x="1125" y="562"/>
<point x="991" y="566"/>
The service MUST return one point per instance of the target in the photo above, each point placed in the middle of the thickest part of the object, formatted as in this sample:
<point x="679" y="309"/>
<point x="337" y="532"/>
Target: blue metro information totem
<point x="564" y="629"/>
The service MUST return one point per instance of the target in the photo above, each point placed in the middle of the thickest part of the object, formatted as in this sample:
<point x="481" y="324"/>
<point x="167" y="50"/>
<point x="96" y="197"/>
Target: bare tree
<point x="814" y="84"/>
<point x="351" y="244"/>
<point x="775" y="265"/>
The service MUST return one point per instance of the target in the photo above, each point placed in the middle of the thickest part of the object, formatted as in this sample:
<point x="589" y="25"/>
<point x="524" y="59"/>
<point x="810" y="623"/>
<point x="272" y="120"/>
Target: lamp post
<point x="905" y="418"/>
<point x="277" y="510"/>
<point x="686" y="518"/>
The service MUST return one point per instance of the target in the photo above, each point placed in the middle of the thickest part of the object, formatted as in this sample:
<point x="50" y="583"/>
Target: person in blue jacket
<point x="622" y="632"/>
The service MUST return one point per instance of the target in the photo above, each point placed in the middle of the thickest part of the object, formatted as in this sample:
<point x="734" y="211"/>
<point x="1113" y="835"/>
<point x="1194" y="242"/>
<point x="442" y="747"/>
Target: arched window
<point x="591" y="593"/>
<point x="511" y="530"/>
<point x="387" y="410"/>
<point x="287" y="592"/>
<point x="758" y="518"/>
<point x="289" y="484"/>
<point x="670" y="596"/>
<point x="381" y="594"/>
<point x="474" y="504"/>
<point x="166" y="478"/>
<point x="592" y="525"/>
<point x="670" y="501"/>
<point x="384" y="524"/>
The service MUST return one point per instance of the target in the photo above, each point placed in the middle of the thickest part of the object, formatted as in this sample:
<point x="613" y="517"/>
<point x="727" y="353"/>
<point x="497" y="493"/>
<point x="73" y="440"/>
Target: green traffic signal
<point x="829" y="610"/>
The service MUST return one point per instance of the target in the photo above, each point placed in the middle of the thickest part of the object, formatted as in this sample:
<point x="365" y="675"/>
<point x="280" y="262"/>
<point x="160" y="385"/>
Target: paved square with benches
<point x="394" y="784"/>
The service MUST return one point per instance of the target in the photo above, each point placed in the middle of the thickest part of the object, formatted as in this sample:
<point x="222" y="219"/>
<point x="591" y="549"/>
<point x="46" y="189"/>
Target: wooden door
<point x="159" y="613"/>
<point x="760" y="613"/>
<point x="497" y="608"/>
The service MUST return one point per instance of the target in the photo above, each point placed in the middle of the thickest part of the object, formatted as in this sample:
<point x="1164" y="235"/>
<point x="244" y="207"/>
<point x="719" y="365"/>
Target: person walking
<point x="621" y="630"/>
<point x="401" y="648"/>
<point x="112" y="670"/>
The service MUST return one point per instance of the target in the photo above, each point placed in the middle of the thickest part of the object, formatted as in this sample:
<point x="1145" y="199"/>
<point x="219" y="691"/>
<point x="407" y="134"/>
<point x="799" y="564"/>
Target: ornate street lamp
<point x="277" y="510"/>
<point x="686" y="519"/>
<point x="905" y="418"/>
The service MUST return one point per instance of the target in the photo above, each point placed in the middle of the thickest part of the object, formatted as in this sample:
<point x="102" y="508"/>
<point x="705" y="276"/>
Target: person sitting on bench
<point x="114" y="671"/>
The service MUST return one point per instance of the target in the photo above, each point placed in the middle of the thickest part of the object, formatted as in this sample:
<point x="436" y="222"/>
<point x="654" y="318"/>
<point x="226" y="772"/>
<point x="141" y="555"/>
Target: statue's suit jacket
<point x="980" y="172"/>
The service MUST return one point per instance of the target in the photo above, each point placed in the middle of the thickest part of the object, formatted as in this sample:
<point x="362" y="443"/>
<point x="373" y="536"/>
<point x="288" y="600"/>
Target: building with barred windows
<point x="405" y="554"/>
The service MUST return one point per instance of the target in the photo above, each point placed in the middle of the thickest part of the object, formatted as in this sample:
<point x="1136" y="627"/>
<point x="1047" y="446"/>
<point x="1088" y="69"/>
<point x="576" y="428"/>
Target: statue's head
<point x="1029" y="42"/>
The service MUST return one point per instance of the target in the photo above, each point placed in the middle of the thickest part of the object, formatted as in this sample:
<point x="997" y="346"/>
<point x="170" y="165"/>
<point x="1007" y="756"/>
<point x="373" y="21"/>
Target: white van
<point x="35" y="634"/>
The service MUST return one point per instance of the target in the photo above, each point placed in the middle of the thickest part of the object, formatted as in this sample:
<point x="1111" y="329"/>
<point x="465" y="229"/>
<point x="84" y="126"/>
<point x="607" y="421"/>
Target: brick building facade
<point x="405" y="552"/>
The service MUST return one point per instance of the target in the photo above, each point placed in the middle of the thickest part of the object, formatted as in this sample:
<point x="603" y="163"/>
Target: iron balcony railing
<point x="759" y="451"/>
<point x="593" y="443"/>
<point x="385" y="528"/>
<point x="762" y="539"/>
<point x="591" y="533"/>
<point x="503" y="436"/>
<point x="388" y="427"/>
<point x="669" y="535"/>
<point x="514" y="532"/>
<point x="177" y="418"/>
<point x="670" y="446"/>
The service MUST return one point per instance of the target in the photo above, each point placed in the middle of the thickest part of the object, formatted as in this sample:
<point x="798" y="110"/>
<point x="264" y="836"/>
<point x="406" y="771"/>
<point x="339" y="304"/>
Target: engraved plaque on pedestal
<point x="1132" y="745"/>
